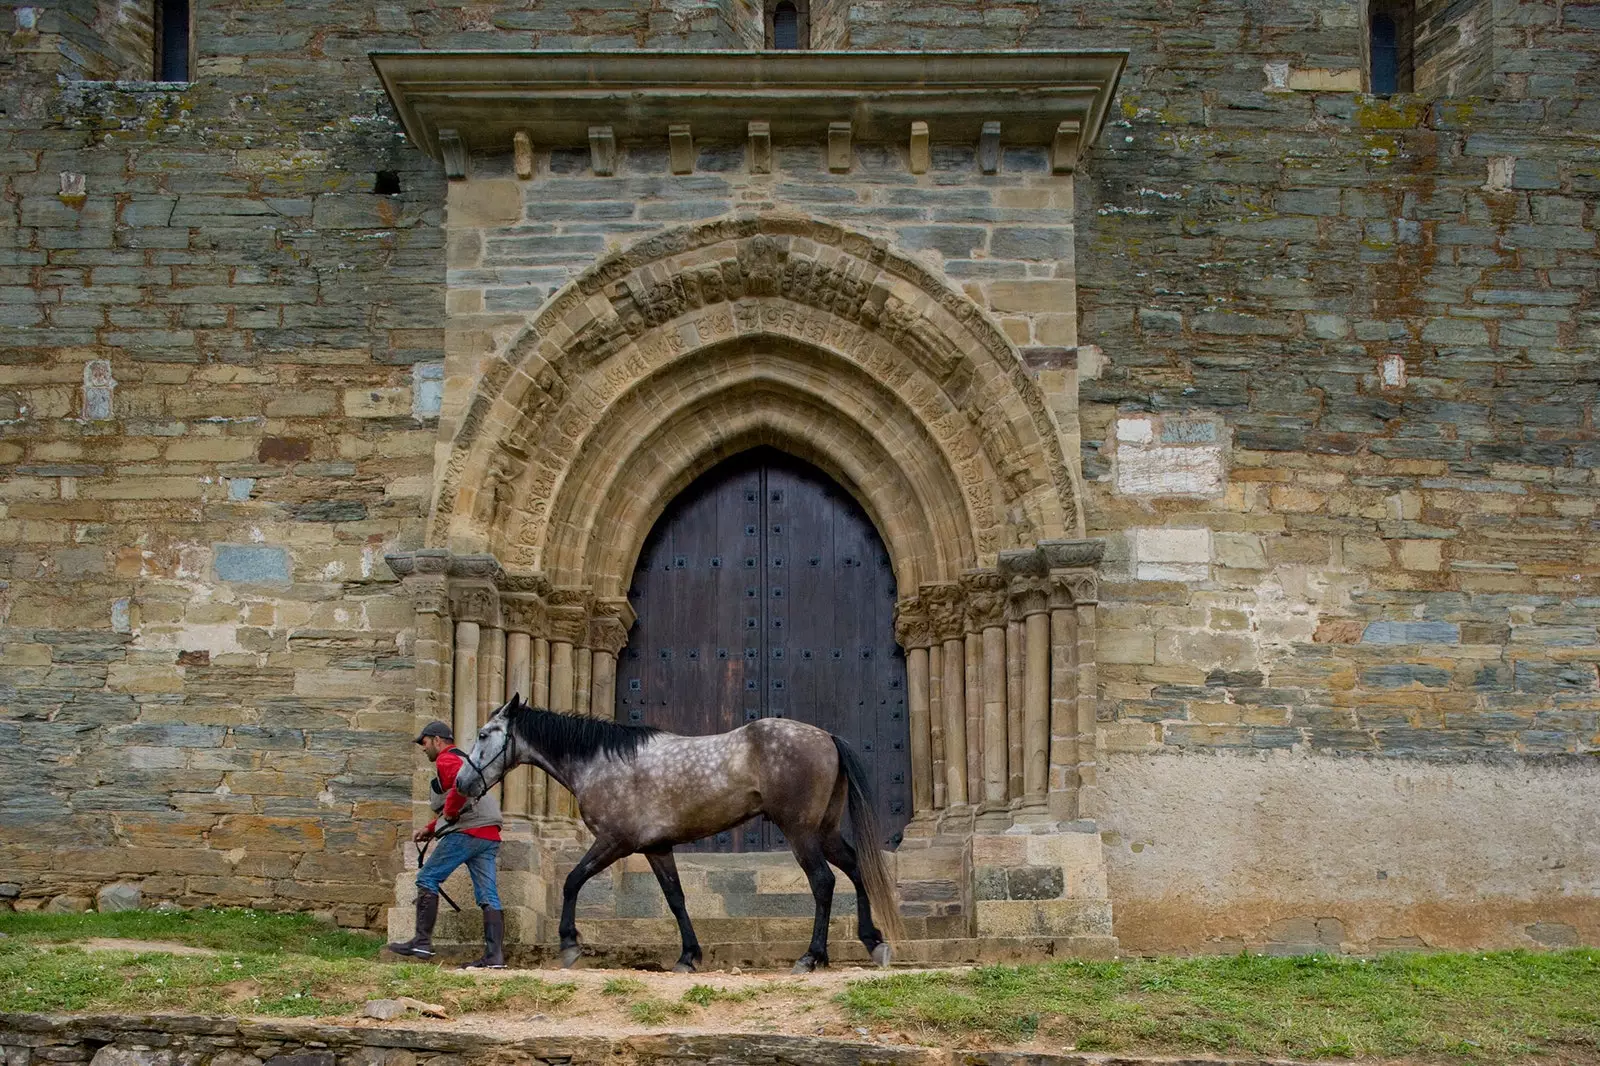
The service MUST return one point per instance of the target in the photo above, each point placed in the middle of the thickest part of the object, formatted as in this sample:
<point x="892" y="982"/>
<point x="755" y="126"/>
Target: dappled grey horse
<point x="644" y="790"/>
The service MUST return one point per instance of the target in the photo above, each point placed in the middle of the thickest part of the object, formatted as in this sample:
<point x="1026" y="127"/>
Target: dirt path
<point x="106" y="943"/>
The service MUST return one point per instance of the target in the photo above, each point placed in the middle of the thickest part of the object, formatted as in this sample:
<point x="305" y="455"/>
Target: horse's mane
<point x="576" y="735"/>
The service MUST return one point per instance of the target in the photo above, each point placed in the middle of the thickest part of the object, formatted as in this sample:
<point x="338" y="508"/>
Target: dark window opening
<point x="386" y="182"/>
<point x="172" y="40"/>
<point x="788" y="24"/>
<point x="785" y="27"/>
<point x="1389" y="48"/>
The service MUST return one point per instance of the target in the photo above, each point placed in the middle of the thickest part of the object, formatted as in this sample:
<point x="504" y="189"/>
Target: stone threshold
<point x="299" y="1043"/>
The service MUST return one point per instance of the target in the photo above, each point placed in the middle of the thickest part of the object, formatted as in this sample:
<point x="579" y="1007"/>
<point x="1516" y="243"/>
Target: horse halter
<point x="482" y="771"/>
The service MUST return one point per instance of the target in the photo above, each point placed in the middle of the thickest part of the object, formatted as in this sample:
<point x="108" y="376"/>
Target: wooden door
<point x="765" y="591"/>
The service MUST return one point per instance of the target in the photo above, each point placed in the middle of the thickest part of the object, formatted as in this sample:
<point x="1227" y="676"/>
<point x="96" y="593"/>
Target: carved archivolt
<point x="700" y="342"/>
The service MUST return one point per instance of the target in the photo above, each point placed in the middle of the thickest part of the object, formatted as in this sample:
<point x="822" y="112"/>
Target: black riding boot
<point x="494" y="941"/>
<point x="421" y="945"/>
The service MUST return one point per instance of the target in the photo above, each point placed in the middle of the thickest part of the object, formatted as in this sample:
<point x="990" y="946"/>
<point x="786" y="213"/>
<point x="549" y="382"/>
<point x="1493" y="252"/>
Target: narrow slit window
<point x="172" y="40"/>
<point x="1389" y="47"/>
<point x="1385" y="56"/>
<point x="785" y="27"/>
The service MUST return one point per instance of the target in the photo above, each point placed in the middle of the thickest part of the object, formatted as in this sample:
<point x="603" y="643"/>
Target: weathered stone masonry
<point x="1326" y="393"/>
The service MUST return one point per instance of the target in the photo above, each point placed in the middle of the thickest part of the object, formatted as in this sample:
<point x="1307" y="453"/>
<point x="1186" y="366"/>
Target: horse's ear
<point x="516" y="702"/>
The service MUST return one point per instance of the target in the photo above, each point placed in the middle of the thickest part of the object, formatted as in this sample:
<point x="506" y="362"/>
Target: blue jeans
<point x="453" y="849"/>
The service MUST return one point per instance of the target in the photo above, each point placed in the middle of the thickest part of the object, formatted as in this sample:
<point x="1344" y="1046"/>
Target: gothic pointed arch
<point x="702" y="341"/>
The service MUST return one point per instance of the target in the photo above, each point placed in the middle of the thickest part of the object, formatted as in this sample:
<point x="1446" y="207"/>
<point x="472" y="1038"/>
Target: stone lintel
<point x="454" y="103"/>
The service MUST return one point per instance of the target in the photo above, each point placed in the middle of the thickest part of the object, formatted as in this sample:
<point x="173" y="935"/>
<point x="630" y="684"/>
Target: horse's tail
<point x="869" y="853"/>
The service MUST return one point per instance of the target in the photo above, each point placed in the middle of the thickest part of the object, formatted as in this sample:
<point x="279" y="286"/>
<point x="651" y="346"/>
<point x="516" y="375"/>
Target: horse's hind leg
<point x="601" y="853"/>
<point x="808" y="850"/>
<point x="839" y="852"/>
<point x="666" y="871"/>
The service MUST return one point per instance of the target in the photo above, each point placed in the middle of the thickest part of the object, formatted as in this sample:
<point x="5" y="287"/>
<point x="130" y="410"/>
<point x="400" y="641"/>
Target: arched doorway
<point x="765" y="591"/>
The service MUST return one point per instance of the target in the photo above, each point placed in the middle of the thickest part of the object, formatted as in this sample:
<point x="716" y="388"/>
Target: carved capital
<point x="481" y="567"/>
<point x="608" y="628"/>
<point x="912" y="627"/>
<point x="946" y="610"/>
<point x="429" y="595"/>
<point x="524" y="614"/>
<point x="1070" y="588"/>
<point x="570" y="607"/>
<point x="1029" y="595"/>
<point x="475" y="603"/>
<point x="986" y="598"/>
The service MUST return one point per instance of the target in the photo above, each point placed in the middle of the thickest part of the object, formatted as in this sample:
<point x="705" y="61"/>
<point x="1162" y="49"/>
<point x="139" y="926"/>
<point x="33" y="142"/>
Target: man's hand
<point x="422" y="836"/>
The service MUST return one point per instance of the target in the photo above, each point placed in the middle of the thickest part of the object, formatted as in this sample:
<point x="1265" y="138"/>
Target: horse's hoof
<point x="570" y="956"/>
<point x="683" y="967"/>
<point x="881" y="955"/>
<point x="806" y="964"/>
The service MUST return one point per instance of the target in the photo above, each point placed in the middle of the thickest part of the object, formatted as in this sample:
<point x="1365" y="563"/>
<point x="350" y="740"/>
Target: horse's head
<point x="491" y="755"/>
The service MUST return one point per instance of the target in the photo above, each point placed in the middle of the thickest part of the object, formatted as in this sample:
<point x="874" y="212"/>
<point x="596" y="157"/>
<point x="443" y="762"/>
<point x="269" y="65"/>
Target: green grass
<point x="705" y="995"/>
<point x="1475" y="1007"/>
<point x="275" y="964"/>
<point x="622" y="987"/>
<point x="653" y="1011"/>
<point x="258" y="932"/>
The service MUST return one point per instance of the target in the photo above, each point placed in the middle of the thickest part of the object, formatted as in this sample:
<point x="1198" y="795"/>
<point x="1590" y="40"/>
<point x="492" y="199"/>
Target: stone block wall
<point x="1335" y="358"/>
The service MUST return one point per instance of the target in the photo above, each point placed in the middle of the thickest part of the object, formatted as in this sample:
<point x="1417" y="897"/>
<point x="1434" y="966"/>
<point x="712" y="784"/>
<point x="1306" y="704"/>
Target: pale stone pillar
<point x="974" y="691"/>
<point x="491" y="674"/>
<point x="911" y="630"/>
<point x="995" y="748"/>
<point x="519" y="665"/>
<point x="539" y="693"/>
<point x="582" y="680"/>
<point x="539" y="781"/>
<point x="955" y="721"/>
<point x="1016" y="645"/>
<point x="1036" y="701"/>
<point x="986" y="690"/>
<point x="936" y="757"/>
<point x="561" y="695"/>
<point x="468" y="635"/>
<point x="603" y="685"/>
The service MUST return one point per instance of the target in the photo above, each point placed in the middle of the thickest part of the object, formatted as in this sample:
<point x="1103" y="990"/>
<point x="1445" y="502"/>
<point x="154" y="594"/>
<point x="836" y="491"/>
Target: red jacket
<point x="447" y="766"/>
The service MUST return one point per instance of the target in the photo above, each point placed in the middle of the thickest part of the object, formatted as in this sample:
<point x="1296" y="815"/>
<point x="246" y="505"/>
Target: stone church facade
<point x="1170" y="461"/>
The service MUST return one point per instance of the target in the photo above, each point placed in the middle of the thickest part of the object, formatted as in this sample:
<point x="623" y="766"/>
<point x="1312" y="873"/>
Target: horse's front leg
<point x="666" y="871"/>
<point x="809" y="852"/>
<point x="601" y="853"/>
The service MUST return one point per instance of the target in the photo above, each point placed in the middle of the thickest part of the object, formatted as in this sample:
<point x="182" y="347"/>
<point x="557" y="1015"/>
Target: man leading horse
<point x="470" y="836"/>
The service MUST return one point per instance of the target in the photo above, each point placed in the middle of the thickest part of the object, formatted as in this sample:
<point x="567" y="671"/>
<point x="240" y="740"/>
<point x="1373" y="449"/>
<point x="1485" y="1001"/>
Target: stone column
<point x="1033" y="605"/>
<point x="608" y="634"/>
<point x="468" y="636"/>
<point x="936" y="757"/>
<point x="973" y="679"/>
<point x="423" y="577"/>
<point x="945" y="612"/>
<point x="539" y="781"/>
<point x="1016" y="645"/>
<point x="986" y="607"/>
<point x="569" y="631"/>
<point x="491" y="673"/>
<point x="911" y="630"/>
<point x="519" y="667"/>
<point x="560" y="700"/>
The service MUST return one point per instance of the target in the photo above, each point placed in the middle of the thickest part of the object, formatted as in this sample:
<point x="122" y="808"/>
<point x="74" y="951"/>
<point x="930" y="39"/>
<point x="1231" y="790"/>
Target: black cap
<point x="436" y="729"/>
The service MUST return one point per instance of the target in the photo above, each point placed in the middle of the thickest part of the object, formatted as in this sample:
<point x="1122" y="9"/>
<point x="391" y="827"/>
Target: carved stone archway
<point x="823" y="326"/>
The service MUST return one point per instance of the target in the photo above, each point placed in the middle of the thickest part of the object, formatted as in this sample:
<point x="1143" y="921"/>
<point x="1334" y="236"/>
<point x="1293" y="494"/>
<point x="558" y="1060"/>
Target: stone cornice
<point x="456" y="103"/>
